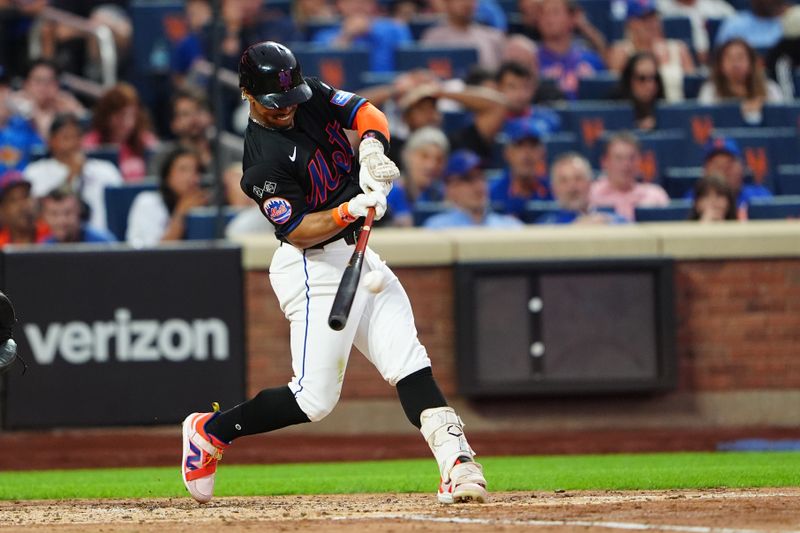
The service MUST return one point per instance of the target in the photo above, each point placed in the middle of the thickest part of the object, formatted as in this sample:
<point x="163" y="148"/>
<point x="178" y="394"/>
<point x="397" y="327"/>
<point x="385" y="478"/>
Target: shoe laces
<point x="217" y="455"/>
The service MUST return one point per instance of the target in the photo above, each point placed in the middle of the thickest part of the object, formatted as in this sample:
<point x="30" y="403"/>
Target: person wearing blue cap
<point x="466" y="192"/>
<point x="722" y="157"/>
<point x="644" y="33"/>
<point x="525" y="175"/>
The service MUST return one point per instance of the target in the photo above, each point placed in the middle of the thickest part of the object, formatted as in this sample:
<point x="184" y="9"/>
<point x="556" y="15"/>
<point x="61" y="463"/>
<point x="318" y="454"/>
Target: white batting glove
<point x="357" y="207"/>
<point x="377" y="170"/>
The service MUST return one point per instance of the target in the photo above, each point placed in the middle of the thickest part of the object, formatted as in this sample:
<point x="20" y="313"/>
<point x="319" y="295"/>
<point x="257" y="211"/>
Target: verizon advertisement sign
<point x="124" y="337"/>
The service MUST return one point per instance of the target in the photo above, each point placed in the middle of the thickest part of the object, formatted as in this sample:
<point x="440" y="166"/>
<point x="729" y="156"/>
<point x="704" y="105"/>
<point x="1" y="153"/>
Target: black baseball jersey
<point x="307" y="168"/>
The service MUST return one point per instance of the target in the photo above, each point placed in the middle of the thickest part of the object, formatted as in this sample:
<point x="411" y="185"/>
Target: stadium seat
<point x="418" y="25"/>
<point x="698" y="122"/>
<point x="118" y="204"/>
<point x="201" y="222"/>
<point x="591" y="121"/>
<point x="108" y="153"/>
<point x="778" y="207"/>
<point x="678" y="27"/>
<point x="598" y="87"/>
<point x="560" y="143"/>
<point x="599" y="14"/>
<point x="534" y="209"/>
<point x="781" y="115"/>
<point x="712" y="27"/>
<point x="788" y="181"/>
<point x="422" y="211"/>
<point x="446" y="61"/>
<point x="661" y="149"/>
<point x="455" y="120"/>
<point x="340" y="68"/>
<point x="678" y="181"/>
<point x="676" y="210"/>
<point x="165" y="23"/>
<point x="692" y="84"/>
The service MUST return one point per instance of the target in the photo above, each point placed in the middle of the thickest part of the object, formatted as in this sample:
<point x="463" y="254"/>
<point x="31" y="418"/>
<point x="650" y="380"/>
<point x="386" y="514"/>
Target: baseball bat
<point x="343" y="301"/>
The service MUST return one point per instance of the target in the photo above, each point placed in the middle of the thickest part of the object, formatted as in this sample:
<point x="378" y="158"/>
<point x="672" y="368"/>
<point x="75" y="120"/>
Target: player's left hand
<point x="377" y="170"/>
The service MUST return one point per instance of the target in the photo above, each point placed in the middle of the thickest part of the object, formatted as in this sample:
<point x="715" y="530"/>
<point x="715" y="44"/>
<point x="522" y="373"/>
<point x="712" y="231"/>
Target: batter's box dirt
<point x="709" y="511"/>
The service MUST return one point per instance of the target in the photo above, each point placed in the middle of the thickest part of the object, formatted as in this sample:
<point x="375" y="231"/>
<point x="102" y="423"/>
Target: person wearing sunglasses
<point x="641" y="85"/>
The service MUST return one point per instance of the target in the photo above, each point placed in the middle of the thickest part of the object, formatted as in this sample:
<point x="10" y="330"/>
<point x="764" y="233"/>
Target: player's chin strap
<point x="444" y="432"/>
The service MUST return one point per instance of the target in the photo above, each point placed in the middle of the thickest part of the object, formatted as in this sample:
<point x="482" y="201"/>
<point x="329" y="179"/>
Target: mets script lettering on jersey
<point x="278" y="209"/>
<point x="323" y="179"/>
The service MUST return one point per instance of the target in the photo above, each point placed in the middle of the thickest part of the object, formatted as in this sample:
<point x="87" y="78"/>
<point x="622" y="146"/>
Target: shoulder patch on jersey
<point x="278" y="209"/>
<point x="341" y="98"/>
<point x="269" y="187"/>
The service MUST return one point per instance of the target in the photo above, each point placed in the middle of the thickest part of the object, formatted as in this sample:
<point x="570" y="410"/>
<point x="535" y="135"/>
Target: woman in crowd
<point x="713" y="200"/>
<point x="161" y="216"/>
<point x="120" y="120"/>
<point x="737" y="74"/>
<point x="641" y="85"/>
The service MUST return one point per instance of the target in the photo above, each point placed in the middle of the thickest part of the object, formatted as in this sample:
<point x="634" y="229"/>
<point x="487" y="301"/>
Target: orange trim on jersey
<point x="368" y="117"/>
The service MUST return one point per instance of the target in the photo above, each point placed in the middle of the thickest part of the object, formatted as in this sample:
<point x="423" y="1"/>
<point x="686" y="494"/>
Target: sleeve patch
<point x="341" y="98"/>
<point x="278" y="210"/>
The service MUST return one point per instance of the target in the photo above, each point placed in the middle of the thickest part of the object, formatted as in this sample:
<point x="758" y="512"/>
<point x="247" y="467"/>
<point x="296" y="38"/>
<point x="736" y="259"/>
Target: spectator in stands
<point x="68" y="166"/>
<point x="561" y="56"/>
<point x="737" y="74"/>
<point x="713" y="200"/>
<point x="61" y="211"/>
<point x="250" y="219"/>
<point x="522" y="51"/>
<point x="761" y="27"/>
<point x="466" y="191"/>
<point x="424" y="158"/>
<point x="362" y="27"/>
<point x="529" y="13"/>
<point x="525" y="175"/>
<point x="161" y="216"/>
<point x="724" y="158"/>
<point x="18" y="138"/>
<point x="192" y="125"/>
<point x="571" y="180"/>
<point x="307" y="13"/>
<point x="18" y="224"/>
<point x="121" y="121"/>
<point x="460" y="29"/>
<point x="618" y="186"/>
<point x="644" y="33"/>
<point x="419" y="108"/>
<point x="641" y="85"/>
<point x="699" y="12"/>
<point x="41" y="99"/>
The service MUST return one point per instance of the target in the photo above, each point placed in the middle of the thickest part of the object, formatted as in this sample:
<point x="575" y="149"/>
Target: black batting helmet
<point x="271" y="74"/>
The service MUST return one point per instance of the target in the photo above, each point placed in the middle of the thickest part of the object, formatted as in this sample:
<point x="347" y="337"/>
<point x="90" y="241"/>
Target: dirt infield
<point x="723" y="511"/>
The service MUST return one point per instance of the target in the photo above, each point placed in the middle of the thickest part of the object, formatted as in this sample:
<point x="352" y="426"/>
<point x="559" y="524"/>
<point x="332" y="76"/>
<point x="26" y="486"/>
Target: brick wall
<point x="738" y="327"/>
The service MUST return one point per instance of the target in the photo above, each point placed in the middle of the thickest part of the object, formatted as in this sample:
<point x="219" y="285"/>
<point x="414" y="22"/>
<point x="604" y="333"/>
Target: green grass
<point x="600" y="472"/>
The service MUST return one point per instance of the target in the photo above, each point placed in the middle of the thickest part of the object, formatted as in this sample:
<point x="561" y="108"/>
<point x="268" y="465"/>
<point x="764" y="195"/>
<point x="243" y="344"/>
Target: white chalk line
<point x="632" y="526"/>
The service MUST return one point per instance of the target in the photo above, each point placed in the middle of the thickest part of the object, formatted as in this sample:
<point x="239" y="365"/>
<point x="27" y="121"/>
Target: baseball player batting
<point x="300" y="169"/>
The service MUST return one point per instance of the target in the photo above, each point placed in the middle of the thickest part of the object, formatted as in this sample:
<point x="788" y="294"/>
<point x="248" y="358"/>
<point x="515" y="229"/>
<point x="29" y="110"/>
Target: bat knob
<point x="337" y="323"/>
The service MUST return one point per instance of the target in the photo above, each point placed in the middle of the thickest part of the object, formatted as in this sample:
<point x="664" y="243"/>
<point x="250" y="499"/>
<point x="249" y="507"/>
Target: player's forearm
<point x="315" y="228"/>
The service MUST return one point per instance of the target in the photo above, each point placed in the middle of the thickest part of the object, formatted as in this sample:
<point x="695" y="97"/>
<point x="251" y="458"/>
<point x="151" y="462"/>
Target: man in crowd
<point x="61" y="211"/>
<point x="525" y="175"/>
<point x="18" y="224"/>
<point x="466" y="191"/>
<point x="570" y="180"/>
<point x="618" y="187"/>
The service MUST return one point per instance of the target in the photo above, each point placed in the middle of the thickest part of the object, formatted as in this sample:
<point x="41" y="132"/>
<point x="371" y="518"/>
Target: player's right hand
<point x="358" y="206"/>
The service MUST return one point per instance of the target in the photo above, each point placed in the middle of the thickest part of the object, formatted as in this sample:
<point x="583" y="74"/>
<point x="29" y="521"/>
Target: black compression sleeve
<point x="417" y="392"/>
<point x="271" y="409"/>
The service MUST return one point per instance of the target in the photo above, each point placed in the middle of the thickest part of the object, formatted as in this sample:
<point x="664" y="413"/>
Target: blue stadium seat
<point x="106" y="153"/>
<point x="781" y="115"/>
<point x="598" y="87"/>
<point x="422" y="211"/>
<point x="559" y="143"/>
<point x="788" y="179"/>
<point x="445" y="61"/>
<point x="201" y="223"/>
<point x="455" y="120"/>
<point x="418" y="25"/>
<point x="118" y="204"/>
<point x="692" y="84"/>
<point x="591" y="122"/>
<point x="675" y="211"/>
<point x="152" y="47"/>
<point x="284" y="6"/>
<point x="774" y="208"/>
<point x="661" y="149"/>
<point x="712" y="27"/>
<point x="678" y="181"/>
<point x="599" y="14"/>
<point x="534" y="209"/>
<point x="677" y="27"/>
<point x="340" y="68"/>
<point x="698" y="122"/>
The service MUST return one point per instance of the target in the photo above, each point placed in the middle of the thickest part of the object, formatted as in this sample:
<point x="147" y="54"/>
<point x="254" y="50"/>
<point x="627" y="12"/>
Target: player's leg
<point x="387" y="336"/>
<point x="305" y="284"/>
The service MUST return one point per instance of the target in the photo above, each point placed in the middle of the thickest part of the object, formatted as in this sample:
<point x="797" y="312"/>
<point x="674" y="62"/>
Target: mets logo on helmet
<point x="278" y="209"/>
<point x="285" y="79"/>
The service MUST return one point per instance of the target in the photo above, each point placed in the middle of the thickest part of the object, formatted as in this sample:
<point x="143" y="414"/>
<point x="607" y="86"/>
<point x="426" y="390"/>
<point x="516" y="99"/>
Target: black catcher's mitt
<point x="8" y="348"/>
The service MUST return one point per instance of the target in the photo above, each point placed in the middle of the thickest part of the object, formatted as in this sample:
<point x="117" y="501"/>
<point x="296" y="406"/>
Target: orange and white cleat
<point x="201" y="452"/>
<point x="465" y="484"/>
